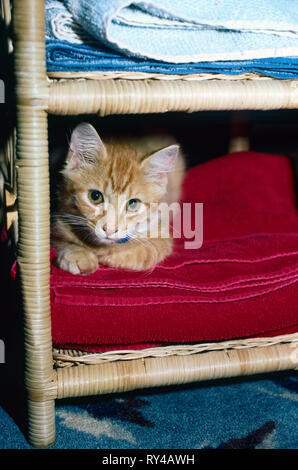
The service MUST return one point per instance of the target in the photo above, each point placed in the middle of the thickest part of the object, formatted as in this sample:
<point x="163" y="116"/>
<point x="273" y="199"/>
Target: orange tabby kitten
<point x="105" y="213"/>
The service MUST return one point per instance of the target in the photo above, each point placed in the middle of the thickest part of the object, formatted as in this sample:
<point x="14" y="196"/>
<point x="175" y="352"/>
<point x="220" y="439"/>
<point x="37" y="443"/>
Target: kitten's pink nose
<point x="109" y="229"/>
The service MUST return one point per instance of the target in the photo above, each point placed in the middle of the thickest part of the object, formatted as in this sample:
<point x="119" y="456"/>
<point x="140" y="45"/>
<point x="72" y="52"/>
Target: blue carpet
<point x="256" y="413"/>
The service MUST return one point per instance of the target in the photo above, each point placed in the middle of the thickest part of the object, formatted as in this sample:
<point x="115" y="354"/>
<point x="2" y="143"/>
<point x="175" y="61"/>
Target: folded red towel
<point x="242" y="281"/>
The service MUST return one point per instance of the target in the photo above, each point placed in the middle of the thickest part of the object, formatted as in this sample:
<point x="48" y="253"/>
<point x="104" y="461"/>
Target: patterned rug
<point x="255" y="413"/>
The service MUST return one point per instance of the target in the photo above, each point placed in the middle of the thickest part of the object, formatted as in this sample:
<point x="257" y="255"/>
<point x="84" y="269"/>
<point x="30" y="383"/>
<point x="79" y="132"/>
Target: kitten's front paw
<point x="139" y="257"/>
<point x="77" y="260"/>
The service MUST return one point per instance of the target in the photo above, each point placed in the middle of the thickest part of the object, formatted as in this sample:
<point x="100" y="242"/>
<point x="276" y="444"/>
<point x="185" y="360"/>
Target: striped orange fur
<point x="109" y="199"/>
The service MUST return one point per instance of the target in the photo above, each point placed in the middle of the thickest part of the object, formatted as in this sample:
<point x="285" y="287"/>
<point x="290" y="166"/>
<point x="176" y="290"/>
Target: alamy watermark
<point x="181" y="220"/>
<point x="2" y="352"/>
<point x="157" y="220"/>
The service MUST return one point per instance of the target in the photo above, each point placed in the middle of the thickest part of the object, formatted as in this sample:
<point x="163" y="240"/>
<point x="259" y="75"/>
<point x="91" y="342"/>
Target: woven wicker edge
<point x="71" y="357"/>
<point x="126" y="75"/>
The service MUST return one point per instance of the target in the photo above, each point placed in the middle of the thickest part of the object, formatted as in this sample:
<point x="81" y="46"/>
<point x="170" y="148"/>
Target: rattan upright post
<point x="34" y="209"/>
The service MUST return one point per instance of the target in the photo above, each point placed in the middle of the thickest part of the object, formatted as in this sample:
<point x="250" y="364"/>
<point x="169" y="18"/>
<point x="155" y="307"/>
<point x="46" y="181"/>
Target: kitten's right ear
<point x="85" y="148"/>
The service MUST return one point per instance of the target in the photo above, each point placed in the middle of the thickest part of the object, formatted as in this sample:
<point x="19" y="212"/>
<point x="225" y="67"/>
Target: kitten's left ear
<point x="86" y="147"/>
<point x="159" y="164"/>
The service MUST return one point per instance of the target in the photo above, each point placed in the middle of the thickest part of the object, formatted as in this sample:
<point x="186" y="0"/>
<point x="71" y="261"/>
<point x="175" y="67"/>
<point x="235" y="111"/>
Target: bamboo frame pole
<point x="106" y="97"/>
<point x="122" y="376"/>
<point x="34" y="214"/>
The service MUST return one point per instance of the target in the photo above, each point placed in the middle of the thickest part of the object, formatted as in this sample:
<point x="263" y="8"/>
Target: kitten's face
<point x="111" y="192"/>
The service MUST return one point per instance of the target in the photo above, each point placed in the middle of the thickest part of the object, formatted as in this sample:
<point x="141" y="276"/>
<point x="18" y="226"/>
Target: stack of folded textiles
<point x="173" y="37"/>
<point x="241" y="282"/>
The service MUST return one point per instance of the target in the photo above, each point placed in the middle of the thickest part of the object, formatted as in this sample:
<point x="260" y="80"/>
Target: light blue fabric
<point x="192" y="30"/>
<point x="70" y="48"/>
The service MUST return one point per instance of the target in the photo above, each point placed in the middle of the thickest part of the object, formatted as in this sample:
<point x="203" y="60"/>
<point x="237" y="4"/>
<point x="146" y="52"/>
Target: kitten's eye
<point x="95" y="196"/>
<point x="133" y="204"/>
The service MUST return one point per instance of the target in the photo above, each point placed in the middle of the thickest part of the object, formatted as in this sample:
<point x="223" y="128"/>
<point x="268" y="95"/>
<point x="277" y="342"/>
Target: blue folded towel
<point x="192" y="30"/>
<point x="63" y="56"/>
<point x="71" y="47"/>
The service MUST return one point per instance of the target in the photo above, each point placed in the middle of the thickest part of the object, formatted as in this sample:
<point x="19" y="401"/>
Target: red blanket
<point x="242" y="282"/>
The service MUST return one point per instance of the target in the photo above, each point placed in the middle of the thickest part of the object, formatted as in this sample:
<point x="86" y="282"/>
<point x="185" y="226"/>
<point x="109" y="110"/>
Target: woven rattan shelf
<point x="64" y="374"/>
<point x="69" y="358"/>
<point x="115" y="75"/>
